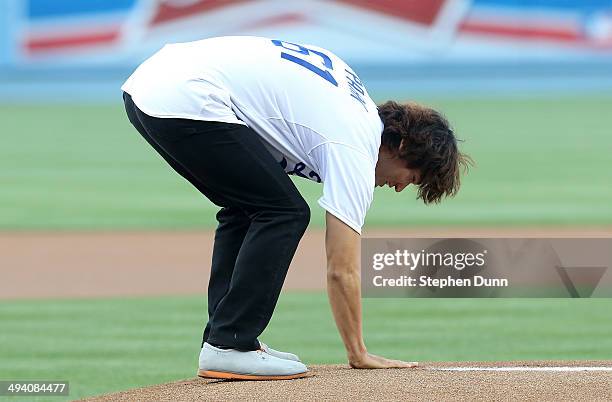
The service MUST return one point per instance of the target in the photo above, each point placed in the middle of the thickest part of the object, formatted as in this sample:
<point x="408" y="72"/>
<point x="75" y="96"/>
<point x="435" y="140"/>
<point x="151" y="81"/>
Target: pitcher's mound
<point x="546" y="380"/>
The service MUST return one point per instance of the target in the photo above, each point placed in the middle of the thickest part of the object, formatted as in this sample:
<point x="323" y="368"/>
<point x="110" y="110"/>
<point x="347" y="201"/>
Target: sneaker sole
<point x="222" y="375"/>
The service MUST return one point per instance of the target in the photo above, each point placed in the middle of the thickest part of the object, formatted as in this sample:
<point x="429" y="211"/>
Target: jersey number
<point x="301" y="50"/>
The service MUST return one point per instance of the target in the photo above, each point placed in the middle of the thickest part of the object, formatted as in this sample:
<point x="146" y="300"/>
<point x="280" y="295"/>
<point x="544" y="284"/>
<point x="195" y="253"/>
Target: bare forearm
<point x="344" y="291"/>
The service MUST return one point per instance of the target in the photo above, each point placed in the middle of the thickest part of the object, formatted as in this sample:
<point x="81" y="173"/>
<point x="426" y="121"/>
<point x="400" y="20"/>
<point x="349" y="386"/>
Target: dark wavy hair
<point x="425" y="140"/>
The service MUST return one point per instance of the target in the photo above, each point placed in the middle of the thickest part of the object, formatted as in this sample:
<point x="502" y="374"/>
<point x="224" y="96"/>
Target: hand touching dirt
<point x="370" y="361"/>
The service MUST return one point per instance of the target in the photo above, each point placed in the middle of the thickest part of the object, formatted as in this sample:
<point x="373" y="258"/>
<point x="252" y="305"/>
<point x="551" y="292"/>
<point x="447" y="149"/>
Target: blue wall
<point x="31" y="81"/>
<point x="584" y="5"/>
<point x="52" y="8"/>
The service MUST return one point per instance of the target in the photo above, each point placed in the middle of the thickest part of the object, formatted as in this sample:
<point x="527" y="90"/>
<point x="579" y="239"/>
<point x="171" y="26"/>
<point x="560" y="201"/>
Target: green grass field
<point x="106" y="345"/>
<point x="539" y="161"/>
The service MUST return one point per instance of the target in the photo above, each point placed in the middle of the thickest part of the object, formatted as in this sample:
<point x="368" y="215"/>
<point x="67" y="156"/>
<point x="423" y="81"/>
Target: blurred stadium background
<point x="527" y="85"/>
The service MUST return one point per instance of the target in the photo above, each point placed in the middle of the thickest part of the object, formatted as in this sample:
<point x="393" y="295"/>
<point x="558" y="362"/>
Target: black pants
<point x="261" y="222"/>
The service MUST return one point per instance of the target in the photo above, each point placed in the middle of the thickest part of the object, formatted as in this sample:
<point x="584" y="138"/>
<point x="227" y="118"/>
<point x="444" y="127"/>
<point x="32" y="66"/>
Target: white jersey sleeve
<point x="348" y="182"/>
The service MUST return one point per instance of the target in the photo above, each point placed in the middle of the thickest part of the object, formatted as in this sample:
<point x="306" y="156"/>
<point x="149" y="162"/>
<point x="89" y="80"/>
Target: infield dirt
<point x="340" y="383"/>
<point x="106" y="264"/>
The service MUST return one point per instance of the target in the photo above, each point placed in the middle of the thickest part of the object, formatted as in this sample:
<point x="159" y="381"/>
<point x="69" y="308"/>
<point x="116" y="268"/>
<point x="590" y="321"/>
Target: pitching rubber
<point x="222" y="375"/>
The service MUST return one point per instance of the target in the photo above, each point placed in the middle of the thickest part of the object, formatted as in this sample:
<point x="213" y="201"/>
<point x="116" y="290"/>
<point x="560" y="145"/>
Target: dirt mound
<point x="548" y="380"/>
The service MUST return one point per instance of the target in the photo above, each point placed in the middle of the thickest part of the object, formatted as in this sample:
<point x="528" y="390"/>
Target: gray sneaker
<point x="231" y="364"/>
<point x="278" y="353"/>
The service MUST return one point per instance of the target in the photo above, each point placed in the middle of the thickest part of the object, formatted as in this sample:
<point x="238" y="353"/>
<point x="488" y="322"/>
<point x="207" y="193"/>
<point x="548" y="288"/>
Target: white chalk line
<point x="551" y="369"/>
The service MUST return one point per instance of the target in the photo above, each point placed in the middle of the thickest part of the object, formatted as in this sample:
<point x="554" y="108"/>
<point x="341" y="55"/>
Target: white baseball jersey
<point x="310" y="109"/>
